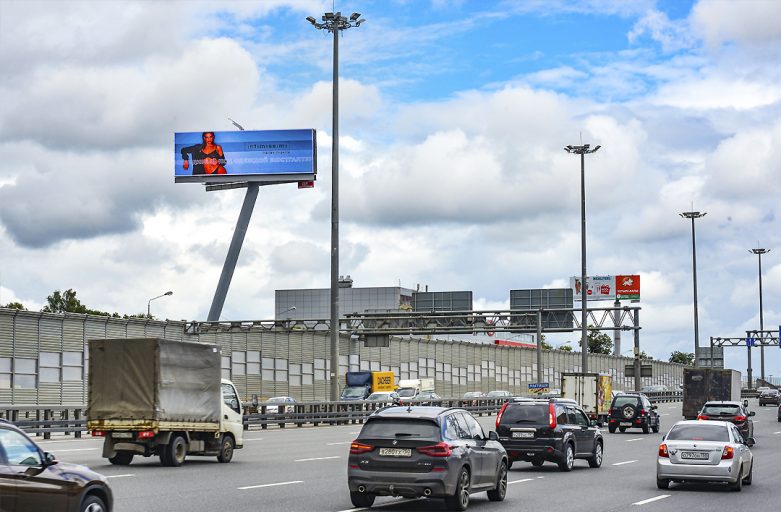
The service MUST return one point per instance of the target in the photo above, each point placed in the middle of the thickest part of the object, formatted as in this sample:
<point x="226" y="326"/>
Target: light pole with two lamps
<point x="759" y="252"/>
<point x="334" y="22"/>
<point x="692" y="216"/>
<point x="583" y="150"/>
<point x="149" y="303"/>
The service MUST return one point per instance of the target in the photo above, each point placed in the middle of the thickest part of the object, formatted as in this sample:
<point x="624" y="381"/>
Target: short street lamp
<point x="583" y="150"/>
<point x="334" y="22"/>
<point x="692" y="216"/>
<point x="149" y="303"/>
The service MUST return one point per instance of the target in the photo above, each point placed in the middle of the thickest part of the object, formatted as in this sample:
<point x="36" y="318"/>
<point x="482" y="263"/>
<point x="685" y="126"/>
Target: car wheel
<point x="177" y="451"/>
<point x="509" y="465"/>
<point x="361" y="499"/>
<point x="567" y="459"/>
<point x="500" y="491"/>
<point x="622" y="429"/>
<point x="645" y="427"/>
<point x="738" y="485"/>
<point x="750" y="476"/>
<point x="460" y="499"/>
<point x="121" y="458"/>
<point x="93" y="504"/>
<point x="655" y="428"/>
<point x="226" y="449"/>
<point x="538" y="463"/>
<point x="595" y="460"/>
<point x="611" y="429"/>
<point x="662" y="483"/>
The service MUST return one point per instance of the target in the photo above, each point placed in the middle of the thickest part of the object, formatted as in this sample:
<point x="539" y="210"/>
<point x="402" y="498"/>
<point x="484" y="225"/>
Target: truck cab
<point x="232" y="413"/>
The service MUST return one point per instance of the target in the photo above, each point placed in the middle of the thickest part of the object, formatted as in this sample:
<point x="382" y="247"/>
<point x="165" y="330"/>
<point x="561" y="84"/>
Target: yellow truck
<point x="362" y="384"/>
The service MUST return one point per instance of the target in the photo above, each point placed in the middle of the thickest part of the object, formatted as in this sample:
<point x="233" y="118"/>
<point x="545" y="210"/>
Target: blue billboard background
<point x="252" y="153"/>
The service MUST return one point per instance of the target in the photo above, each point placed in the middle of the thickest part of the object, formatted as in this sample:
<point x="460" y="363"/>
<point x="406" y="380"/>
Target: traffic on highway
<point x="313" y="468"/>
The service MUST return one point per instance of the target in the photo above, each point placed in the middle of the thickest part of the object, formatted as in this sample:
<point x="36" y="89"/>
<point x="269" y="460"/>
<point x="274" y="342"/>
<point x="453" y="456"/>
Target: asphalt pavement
<point x="304" y="469"/>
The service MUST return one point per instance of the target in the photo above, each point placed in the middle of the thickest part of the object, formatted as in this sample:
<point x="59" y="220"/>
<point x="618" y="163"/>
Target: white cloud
<point x="747" y="21"/>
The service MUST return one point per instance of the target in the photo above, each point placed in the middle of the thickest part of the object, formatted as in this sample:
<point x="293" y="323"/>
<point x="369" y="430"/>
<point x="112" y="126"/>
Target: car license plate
<point x="396" y="452"/>
<point x="122" y="435"/>
<point x="523" y="435"/>
<point x="625" y="424"/>
<point x="695" y="455"/>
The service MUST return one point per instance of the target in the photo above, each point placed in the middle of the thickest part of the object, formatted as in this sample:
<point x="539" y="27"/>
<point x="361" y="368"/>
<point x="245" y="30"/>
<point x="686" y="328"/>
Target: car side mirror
<point x="750" y="442"/>
<point x="752" y="413"/>
<point x="49" y="459"/>
<point x="493" y="436"/>
<point x="745" y="403"/>
<point x="654" y="407"/>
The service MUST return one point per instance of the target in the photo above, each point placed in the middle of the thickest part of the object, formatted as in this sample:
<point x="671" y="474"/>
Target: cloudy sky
<point x="453" y="119"/>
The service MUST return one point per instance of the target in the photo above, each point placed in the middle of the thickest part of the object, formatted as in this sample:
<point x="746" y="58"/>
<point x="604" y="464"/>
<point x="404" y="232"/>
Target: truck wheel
<point x="226" y="449"/>
<point x="177" y="451"/>
<point x="121" y="458"/>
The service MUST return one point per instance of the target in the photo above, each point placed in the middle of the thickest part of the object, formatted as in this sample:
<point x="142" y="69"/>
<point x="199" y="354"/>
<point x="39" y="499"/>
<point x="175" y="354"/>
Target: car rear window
<point x="729" y="410"/>
<point x="622" y="400"/>
<point x="699" y="432"/>
<point x="521" y="413"/>
<point x="400" y="429"/>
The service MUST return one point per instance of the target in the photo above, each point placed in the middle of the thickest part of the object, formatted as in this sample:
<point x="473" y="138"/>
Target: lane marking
<point x="77" y="450"/>
<point x="270" y="485"/>
<point x="519" y="481"/>
<point x="120" y="476"/>
<point x="318" y="458"/>
<point x="649" y="500"/>
<point x="635" y="439"/>
<point x="72" y="440"/>
<point x="341" y="442"/>
<point x="665" y="414"/>
<point x="391" y="504"/>
<point x="625" y="462"/>
<point x="540" y="477"/>
<point x="779" y="432"/>
<point x="254" y="439"/>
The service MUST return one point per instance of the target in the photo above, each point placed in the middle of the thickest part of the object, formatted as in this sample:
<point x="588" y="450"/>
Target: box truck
<point x="701" y="385"/>
<point x="360" y="385"/>
<point x="411" y="388"/>
<point x="593" y="391"/>
<point x="151" y="396"/>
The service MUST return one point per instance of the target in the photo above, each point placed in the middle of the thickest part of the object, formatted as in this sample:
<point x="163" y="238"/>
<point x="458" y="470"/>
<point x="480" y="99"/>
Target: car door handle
<point x="226" y="416"/>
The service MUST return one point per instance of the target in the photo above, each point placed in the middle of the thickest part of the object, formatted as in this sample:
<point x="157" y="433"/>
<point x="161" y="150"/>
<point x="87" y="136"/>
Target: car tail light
<point x="642" y="412"/>
<point x="436" y="450"/>
<point x="98" y="433"/>
<point x="499" y="416"/>
<point x="663" y="451"/>
<point x="728" y="453"/>
<point x="703" y="417"/>
<point x="740" y="418"/>
<point x="146" y="434"/>
<point x="551" y="416"/>
<point x="612" y="410"/>
<point x="357" y="448"/>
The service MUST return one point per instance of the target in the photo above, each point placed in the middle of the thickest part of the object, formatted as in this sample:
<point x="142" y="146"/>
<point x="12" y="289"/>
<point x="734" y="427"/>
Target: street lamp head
<point x="759" y="251"/>
<point x="693" y="215"/>
<point x="311" y="20"/>
<point x="595" y="149"/>
<point x="354" y="16"/>
<point x="169" y="293"/>
<point x="328" y="16"/>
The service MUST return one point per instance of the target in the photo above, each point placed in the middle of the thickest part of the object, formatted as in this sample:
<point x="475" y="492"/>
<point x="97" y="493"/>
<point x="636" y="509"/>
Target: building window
<point x="280" y="370"/>
<point x="253" y="362"/>
<point x="355" y="363"/>
<point x="307" y="374"/>
<point x="238" y="363"/>
<point x="295" y="374"/>
<point x="25" y="372"/>
<point x="426" y="367"/>
<point x="49" y="367"/>
<point x="5" y="372"/>
<point x="72" y="366"/>
<point x="268" y="368"/>
<point x="322" y="366"/>
<point x="473" y="372"/>
<point x="226" y="367"/>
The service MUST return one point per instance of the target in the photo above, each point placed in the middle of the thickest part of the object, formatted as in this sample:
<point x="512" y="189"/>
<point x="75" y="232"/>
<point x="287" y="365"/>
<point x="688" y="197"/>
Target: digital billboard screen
<point x="273" y="156"/>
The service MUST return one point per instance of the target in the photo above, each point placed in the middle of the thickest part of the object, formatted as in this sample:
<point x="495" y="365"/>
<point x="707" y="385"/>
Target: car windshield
<point x="699" y="432"/>
<point x="353" y="392"/>
<point x="717" y="410"/>
<point x="399" y="429"/>
<point x="277" y="400"/>
<point x="622" y="400"/>
<point x="379" y="396"/>
<point x="406" y="392"/>
<point x="498" y="393"/>
<point x="526" y="413"/>
<point x="472" y="394"/>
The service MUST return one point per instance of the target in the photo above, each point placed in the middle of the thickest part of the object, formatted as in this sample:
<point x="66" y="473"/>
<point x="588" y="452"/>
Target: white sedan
<point x="705" y="451"/>
<point x="274" y="404"/>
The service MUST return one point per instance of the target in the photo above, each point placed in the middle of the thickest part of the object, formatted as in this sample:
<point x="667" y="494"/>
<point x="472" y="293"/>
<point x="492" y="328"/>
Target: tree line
<point x="67" y="302"/>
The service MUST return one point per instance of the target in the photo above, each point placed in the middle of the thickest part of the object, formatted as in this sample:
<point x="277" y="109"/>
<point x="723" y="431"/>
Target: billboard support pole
<point x="638" y="379"/>
<point x="233" y="252"/>
<point x="617" y="331"/>
<point x="539" y="345"/>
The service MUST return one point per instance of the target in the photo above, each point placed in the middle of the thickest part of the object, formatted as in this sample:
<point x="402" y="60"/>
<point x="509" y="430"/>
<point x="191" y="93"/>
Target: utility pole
<point x="759" y="252"/>
<point x="692" y="216"/>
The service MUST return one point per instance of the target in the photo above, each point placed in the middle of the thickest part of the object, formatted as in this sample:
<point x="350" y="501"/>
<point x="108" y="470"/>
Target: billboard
<point x="270" y="156"/>
<point x="619" y="287"/>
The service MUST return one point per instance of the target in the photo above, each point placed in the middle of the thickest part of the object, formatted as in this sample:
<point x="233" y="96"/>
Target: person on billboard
<point x="208" y="157"/>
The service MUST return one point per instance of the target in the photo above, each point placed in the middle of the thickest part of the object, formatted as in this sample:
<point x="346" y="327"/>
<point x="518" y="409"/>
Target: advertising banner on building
<point x="622" y="287"/>
<point x="270" y="156"/>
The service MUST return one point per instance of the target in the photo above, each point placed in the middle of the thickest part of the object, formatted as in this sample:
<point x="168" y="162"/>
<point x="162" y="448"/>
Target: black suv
<point x="425" y="451"/>
<point x="549" y="430"/>
<point x="33" y="480"/>
<point x="632" y="410"/>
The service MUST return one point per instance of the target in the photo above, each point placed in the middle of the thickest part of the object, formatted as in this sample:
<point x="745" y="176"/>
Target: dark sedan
<point x="431" y="452"/>
<point x="734" y="412"/>
<point x="770" y="397"/>
<point x="32" y="480"/>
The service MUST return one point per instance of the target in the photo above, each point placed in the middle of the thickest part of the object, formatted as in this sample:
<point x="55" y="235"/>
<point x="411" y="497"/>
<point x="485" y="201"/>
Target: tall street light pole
<point x="759" y="253"/>
<point x="692" y="216"/>
<point x="334" y="23"/>
<point x="149" y="303"/>
<point x="583" y="150"/>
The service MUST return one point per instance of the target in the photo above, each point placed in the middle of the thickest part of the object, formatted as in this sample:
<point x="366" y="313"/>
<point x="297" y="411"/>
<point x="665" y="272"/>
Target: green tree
<point x="67" y="302"/>
<point x="598" y="342"/>
<point x="685" y="358"/>
<point x="545" y="345"/>
<point x="15" y="305"/>
<point x="645" y="357"/>
<point x="566" y="348"/>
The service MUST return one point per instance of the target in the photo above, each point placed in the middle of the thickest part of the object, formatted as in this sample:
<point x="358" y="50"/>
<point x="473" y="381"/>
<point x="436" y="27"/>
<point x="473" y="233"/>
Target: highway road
<point x="304" y="469"/>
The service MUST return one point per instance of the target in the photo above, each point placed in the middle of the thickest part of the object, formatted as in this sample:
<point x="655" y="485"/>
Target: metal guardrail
<point x="42" y="420"/>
